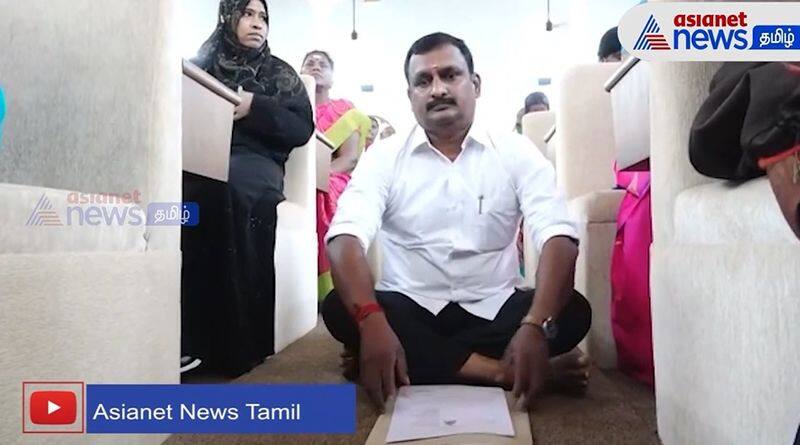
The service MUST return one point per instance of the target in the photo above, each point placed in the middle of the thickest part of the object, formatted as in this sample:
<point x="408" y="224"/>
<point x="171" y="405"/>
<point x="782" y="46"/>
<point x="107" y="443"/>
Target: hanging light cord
<point x="354" y="34"/>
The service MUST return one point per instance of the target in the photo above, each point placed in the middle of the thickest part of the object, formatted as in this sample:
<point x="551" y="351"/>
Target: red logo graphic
<point x="53" y="407"/>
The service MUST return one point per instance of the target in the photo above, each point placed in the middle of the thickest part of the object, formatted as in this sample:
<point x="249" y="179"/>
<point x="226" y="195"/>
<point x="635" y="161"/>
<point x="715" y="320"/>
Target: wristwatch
<point x="548" y="326"/>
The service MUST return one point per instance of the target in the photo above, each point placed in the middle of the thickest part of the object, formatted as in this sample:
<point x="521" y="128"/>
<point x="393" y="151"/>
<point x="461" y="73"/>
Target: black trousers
<point x="437" y="346"/>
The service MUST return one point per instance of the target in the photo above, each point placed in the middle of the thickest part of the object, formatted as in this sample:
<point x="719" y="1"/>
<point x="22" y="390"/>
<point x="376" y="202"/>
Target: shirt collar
<point x="476" y="133"/>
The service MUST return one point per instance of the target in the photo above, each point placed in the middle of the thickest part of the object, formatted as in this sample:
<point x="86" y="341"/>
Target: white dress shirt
<point x="448" y="229"/>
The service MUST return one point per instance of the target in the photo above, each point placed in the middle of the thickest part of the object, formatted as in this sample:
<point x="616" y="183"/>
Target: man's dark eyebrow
<point x="421" y="74"/>
<point x="451" y="68"/>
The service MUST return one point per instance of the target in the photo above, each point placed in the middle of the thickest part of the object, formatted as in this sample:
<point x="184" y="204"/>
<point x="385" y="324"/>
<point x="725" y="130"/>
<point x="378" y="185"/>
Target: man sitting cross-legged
<point x="448" y="198"/>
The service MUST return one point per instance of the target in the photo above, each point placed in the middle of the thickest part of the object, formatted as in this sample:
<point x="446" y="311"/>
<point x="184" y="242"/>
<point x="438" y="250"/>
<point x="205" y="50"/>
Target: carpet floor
<point x="616" y="410"/>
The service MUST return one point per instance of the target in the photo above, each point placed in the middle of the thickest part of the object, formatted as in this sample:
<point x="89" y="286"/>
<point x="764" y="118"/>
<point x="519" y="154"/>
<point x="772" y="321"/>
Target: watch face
<point x="550" y="328"/>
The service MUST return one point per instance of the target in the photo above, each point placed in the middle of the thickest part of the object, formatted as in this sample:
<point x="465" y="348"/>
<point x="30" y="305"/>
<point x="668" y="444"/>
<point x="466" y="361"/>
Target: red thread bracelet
<point x="771" y="160"/>
<point x="366" y="310"/>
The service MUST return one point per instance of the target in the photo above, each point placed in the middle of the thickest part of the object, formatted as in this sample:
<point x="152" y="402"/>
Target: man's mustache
<point x="438" y="102"/>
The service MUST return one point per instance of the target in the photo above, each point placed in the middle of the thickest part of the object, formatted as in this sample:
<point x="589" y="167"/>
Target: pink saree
<point x="338" y="119"/>
<point x="630" y="279"/>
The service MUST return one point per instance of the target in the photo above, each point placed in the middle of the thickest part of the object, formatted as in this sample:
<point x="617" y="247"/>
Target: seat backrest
<point x="535" y="126"/>
<point x="207" y="107"/>
<point x="93" y="115"/>
<point x="63" y="131"/>
<point x="585" y="131"/>
<point x="94" y="106"/>
<point x="677" y="92"/>
<point x="630" y="101"/>
<point x="301" y="169"/>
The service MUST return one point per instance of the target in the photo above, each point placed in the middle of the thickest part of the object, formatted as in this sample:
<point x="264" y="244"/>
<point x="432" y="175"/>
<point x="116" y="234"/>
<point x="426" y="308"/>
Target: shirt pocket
<point x="494" y="220"/>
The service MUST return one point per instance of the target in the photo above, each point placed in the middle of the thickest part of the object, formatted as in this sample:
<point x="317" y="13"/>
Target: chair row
<point x="725" y="297"/>
<point x="582" y="151"/>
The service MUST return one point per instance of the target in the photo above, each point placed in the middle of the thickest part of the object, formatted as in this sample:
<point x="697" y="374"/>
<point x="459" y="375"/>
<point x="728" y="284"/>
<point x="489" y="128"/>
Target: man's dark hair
<point x="609" y="44"/>
<point x="433" y="41"/>
<point x="318" y="52"/>
<point x="536" y="99"/>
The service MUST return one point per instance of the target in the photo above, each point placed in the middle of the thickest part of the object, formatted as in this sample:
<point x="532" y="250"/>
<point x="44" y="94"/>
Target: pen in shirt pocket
<point x="480" y="205"/>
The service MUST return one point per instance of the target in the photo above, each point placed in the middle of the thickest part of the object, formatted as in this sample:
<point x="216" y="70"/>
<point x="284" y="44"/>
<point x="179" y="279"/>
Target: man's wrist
<point x="532" y="320"/>
<point x="535" y="337"/>
<point x="371" y="321"/>
<point x="362" y="311"/>
<point x="546" y="326"/>
<point x="537" y="331"/>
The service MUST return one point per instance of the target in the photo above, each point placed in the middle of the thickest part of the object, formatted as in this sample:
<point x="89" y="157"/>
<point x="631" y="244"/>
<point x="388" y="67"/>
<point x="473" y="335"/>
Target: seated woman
<point x="385" y="129"/>
<point x="381" y="129"/>
<point x="348" y="130"/>
<point x="228" y="280"/>
<point x="749" y="126"/>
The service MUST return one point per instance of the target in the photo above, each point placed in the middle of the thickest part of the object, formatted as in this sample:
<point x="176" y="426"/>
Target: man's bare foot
<point x="570" y="373"/>
<point x="784" y="177"/>
<point x="483" y="370"/>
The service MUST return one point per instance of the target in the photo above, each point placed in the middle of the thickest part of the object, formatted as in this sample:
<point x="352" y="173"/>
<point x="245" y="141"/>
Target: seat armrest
<point x="596" y="207"/>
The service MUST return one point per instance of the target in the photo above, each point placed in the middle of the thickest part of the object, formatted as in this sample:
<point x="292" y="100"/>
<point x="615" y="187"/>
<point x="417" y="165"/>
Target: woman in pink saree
<point x="347" y="129"/>
<point x="630" y="258"/>
<point x="630" y="278"/>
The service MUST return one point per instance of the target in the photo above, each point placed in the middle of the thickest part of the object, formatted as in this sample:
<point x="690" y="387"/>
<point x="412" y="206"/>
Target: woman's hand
<point x="243" y="109"/>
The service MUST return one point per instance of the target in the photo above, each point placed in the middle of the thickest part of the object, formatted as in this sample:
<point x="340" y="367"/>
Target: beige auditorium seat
<point x="98" y="304"/>
<point x="296" y="244"/>
<point x="584" y="150"/>
<point x="535" y="126"/>
<point x="725" y="288"/>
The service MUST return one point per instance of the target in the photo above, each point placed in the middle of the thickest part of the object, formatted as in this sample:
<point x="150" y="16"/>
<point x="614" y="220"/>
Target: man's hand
<point x="527" y="358"/>
<point x="383" y="361"/>
<point x="243" y="109"/>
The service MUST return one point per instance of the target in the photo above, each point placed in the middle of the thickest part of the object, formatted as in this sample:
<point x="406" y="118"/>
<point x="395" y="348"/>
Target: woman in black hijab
<point x="228" y="280"/>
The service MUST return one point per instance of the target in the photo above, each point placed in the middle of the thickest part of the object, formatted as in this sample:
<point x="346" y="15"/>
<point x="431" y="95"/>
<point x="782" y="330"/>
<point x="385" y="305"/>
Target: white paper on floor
<point x="422" y="412"/>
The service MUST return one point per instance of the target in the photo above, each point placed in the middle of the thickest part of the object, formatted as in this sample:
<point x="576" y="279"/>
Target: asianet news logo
<point x="702" y="31"/>
<point x="111" y="210"/>
<point x="716" y="31"/>
<point x="696" y="31"/>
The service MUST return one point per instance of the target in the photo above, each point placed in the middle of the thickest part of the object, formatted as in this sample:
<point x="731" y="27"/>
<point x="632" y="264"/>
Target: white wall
<point x="507" y="37"/>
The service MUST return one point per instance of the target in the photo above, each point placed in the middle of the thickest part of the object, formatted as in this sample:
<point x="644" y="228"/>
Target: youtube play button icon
<point x="53" y="407"/>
